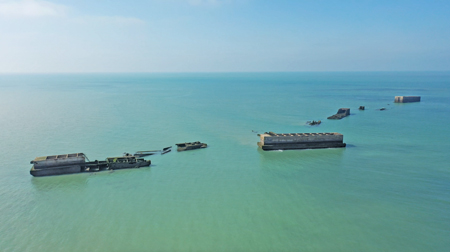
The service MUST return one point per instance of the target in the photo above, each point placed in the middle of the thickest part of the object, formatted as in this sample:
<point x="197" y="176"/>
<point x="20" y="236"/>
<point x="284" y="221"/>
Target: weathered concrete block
<point x="56" y="170"/>
<point x="406" y="99"/>
<point x="289" y="141"/>
<point x="59" y="160"/>
<point x="342" y="112"/>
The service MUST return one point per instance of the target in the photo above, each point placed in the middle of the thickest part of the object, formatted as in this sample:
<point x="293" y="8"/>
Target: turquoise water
<point x="389" y="190"/>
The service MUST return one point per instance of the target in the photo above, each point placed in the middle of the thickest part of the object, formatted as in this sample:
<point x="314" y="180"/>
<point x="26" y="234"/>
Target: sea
<point x="388" y="190"/>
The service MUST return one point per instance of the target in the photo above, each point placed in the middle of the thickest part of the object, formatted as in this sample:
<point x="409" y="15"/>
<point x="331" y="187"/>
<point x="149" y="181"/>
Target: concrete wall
<point x="300" y="138"/>
<point x="55" y="170"/>
<point x="309" y="145"/>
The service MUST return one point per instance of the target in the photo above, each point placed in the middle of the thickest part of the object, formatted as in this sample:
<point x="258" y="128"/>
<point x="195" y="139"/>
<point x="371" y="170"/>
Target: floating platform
<point x="292" y="141"/>
<point x="406" y="99"/>
<point x="76" y="163"/>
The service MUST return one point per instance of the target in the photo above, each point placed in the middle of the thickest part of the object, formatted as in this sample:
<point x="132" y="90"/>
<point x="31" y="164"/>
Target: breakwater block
<point x="342" y="112"/>
<point x="292" y="141"/>
<point x="406" y="99"/>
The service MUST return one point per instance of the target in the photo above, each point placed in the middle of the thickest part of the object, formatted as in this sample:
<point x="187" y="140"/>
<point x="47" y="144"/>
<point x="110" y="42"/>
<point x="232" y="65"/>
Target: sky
<point x="85" y="36"/>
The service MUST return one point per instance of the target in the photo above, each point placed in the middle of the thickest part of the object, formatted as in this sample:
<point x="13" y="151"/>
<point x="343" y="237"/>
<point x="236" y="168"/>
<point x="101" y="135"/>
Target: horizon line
<point x="227" y="72"/>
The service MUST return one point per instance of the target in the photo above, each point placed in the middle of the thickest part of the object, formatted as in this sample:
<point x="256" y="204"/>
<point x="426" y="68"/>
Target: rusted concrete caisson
<point x="76" y="162"/>
<point x="291" y="141"/>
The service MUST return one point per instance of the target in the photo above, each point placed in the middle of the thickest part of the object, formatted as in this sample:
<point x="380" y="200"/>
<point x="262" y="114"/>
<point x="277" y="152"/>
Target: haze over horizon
<point x="66" y="36"/>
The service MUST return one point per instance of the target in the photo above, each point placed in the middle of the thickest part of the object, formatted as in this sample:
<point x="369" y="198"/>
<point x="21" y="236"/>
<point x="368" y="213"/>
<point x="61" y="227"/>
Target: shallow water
<point x="388" y="190"/>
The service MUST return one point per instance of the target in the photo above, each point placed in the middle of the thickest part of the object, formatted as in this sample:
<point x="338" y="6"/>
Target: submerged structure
<point x="342" y="112"/>
<point x="148" y="153"/>
<point x="406" y="99"/>
<point x="314" y="122"/>
<point x="292" y="141"/>
<point x="190" y="146"/>
<point x="76" y="163"/>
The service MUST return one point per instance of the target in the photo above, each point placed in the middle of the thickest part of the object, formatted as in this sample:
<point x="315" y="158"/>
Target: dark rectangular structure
<point x="76" y="163"/>
<point x="406" y="99"/>
<point x="291" y="141"/>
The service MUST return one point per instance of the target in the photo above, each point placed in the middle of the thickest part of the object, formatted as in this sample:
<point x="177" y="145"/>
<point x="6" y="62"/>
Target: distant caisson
<point x="291" y="141"/>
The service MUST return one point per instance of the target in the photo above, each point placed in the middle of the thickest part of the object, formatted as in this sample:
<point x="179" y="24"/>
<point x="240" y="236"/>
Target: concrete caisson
<point x="290" y="141"/>
<point x="58" y="164"/>
<point x="406" y="99"/>
<point x="58" y="160"/>
<point x="342" y="112"/>
<point x="76" y="162"/>
<point x="57" y="170"/>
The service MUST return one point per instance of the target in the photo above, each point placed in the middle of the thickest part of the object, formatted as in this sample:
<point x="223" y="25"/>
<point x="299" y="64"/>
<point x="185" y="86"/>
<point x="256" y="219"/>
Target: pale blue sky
<point x="223" y="35"/>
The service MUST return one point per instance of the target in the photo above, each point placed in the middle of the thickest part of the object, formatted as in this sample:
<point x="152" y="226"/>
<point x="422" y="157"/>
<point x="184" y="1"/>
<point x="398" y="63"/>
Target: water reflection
<point x="64" y="182"/>
<point x="306" y="155"/>
<point x="78" y="181"/>
<point x="290" y="163"/>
